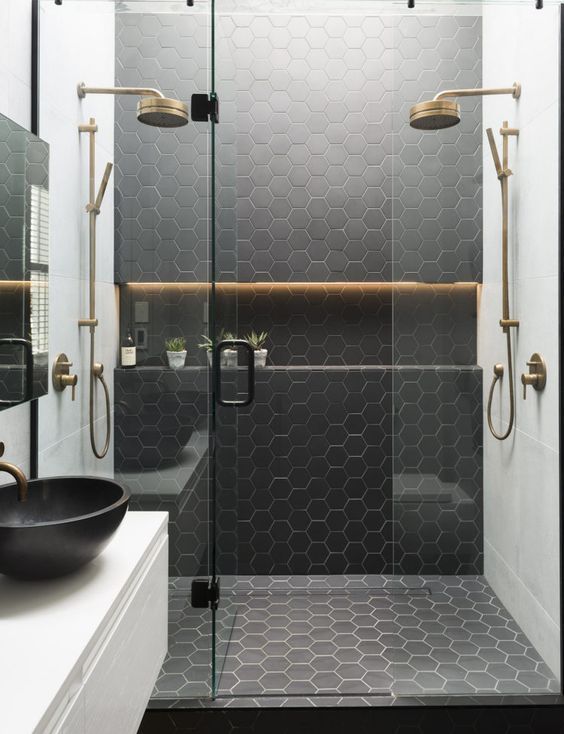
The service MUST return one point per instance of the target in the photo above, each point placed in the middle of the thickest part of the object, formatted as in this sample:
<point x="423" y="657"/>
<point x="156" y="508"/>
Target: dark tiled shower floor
<point x="363" y="635"/>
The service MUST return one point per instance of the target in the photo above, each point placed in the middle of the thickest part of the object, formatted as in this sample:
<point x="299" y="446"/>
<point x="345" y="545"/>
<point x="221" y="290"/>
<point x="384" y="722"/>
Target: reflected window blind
<point x="39" y="262"/>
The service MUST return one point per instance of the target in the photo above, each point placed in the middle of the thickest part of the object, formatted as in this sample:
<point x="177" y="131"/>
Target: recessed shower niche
<point x="372" y="537"/>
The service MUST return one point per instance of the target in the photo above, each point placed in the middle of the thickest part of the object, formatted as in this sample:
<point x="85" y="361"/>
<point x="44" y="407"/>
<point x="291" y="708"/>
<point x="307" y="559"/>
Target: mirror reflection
<point x="24" y="264"/>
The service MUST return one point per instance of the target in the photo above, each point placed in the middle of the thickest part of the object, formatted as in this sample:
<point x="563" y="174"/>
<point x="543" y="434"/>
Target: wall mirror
<point x="24" y="264"/>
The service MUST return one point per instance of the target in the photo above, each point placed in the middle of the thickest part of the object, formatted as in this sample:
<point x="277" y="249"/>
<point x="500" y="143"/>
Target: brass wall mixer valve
<point x="61" y="375"/>
<point x="536" y="376"/>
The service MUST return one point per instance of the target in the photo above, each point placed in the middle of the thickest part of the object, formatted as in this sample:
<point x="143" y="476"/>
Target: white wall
<point x="77" y="44"/>
<point x="521" y="476"/>
<point x="15" y="103"/>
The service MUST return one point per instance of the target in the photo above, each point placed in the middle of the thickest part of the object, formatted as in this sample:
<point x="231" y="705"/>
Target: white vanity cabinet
<point x="83" y="653"/>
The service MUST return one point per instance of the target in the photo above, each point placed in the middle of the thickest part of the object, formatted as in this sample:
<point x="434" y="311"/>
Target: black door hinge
<point x="205" y="593"/>
<point x="204" y="108"/>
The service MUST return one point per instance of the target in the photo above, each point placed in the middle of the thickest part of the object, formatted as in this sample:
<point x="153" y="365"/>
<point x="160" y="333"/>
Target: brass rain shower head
<point x="153" y="109"/>
<point x="162" y="112"/>
<point x="440" y="113"/>
<point x="434" y="115"/>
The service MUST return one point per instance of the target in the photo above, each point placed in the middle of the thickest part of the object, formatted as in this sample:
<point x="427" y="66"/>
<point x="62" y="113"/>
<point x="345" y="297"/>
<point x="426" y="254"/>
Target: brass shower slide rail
<point x="93" y="209"/>
<point x="506" y="322"/>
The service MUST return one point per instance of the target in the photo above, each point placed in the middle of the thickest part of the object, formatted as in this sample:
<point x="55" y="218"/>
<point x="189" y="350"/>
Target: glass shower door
<point x="304" y="473"/>
<point x="164" y="276"/>
<point x="352" y="494"/>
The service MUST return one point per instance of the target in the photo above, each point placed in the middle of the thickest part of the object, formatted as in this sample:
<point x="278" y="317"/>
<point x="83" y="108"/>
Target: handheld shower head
<point x="103" y="186"/>
<point x="153" y="109"/>
<point x="495" y="154"/>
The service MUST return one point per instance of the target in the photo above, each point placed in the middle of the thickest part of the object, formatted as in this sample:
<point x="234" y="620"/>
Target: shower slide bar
<point x="93" y="210"/>
<point x="506" y="322"/>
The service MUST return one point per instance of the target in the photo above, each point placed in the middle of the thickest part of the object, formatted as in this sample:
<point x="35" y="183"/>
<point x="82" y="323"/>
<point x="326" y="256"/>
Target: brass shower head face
<point x="436" y="114"/>
<point x="162" y="112"/>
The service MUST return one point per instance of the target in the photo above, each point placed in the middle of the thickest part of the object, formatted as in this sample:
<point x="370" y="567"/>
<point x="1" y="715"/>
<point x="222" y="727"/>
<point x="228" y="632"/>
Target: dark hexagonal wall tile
<point x="161" y="176"/>
<point x="161" y="454"/>
<point x="24" y="259"/>
<point x="319" y="177"/>
<point x="313" y="469"/>
<point x="438" y="513"/>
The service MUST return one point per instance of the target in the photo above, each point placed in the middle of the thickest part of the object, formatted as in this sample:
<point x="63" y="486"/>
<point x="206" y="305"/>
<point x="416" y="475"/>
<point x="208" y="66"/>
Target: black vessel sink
<point x="65" y="523"/>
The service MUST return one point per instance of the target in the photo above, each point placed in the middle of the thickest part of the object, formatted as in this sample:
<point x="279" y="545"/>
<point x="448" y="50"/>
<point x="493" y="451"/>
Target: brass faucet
<point x="18" y="475"/>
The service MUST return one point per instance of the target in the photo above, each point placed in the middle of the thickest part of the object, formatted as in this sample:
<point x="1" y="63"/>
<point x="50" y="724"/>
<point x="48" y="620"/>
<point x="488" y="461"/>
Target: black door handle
<point x="234" y="343"/>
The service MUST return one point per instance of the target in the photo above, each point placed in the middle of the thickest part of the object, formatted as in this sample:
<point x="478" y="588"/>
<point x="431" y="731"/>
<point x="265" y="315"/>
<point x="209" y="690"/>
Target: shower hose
<point x="96" y="373"/>
<point x="498" y="374"/>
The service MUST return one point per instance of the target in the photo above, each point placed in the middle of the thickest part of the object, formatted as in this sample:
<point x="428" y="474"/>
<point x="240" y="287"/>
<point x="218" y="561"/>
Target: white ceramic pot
<point x="260" y="358"/>
<point x="228" y="357"/>
<point x="176" y="360"/>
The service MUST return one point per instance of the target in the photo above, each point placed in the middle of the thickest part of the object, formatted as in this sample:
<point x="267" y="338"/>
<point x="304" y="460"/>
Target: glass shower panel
<point x="304" y="229"/>
<point x="437" y="260"/>
<point x="353" y="528"/>
<point x="230" y="362"/>
<point x="163" y="265"/>
<point x="461" y="626"/>
<point x="437" y="418"/>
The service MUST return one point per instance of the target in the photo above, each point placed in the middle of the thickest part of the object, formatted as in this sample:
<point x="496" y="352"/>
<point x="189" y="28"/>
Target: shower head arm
<point x="514" y="91"/>
<point x="83" y="90"/>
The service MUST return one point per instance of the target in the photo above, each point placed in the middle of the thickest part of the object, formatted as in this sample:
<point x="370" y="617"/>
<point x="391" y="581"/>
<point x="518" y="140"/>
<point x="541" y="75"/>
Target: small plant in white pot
<point x="176" y="352"/>
<point x="228" y="356"/>
<point x="257" y="342"/>
<point x="207" y="345"/>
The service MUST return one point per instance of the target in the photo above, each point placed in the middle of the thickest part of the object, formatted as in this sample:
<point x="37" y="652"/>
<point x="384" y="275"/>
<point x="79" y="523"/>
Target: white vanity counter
<point x="81" y="654"/>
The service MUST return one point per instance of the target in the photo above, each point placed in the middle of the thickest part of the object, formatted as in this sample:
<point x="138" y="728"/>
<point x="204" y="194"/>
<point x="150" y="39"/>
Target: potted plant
<point x="228" y="356"/>
<point x="257" y="342"/>
<point x="176" y="352"/>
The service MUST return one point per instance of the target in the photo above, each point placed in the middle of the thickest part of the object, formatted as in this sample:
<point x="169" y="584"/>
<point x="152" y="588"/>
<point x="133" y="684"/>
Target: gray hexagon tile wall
<point x="320" y="178"/>
<point x="343" y="470"/>
<point x="329" y="180"/>
<point x="362" y="452"/>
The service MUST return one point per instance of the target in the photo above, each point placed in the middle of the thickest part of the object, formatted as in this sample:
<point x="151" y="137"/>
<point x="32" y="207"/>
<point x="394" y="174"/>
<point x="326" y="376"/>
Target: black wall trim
<point x="35" y="67"/>
<point x="560" y="343"/>
<point x="34" y="405"/>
